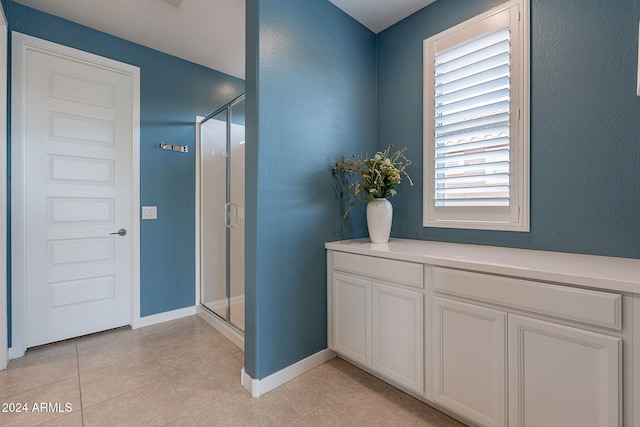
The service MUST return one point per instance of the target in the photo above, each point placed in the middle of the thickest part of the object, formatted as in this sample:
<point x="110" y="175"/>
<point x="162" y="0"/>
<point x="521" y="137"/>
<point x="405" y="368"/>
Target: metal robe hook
<point x="171" y="147"/>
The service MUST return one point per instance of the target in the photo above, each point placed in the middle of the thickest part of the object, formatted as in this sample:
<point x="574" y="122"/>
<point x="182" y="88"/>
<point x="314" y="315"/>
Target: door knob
<point x="121" y="232"/>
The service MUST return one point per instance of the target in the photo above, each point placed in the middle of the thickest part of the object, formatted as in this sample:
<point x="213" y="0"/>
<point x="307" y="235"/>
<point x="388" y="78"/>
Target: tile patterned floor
<point x="184" y="373"/>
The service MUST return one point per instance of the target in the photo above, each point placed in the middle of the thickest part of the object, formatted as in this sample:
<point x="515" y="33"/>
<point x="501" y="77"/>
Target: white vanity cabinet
<point x="553" y="374"/>
<point x="493" y="336"/>
<point x="376" y="318"/>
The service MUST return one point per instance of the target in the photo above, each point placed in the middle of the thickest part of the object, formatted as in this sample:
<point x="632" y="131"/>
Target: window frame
<point x="515" y="217"/>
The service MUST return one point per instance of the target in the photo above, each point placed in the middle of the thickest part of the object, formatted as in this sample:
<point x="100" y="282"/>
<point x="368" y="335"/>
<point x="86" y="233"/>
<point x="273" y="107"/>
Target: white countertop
<point x="609" y="273"/>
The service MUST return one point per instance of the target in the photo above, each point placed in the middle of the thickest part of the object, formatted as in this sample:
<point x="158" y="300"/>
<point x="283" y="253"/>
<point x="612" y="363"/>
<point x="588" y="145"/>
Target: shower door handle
<point x="234" y="218"/>
<point x="229" y="220"/>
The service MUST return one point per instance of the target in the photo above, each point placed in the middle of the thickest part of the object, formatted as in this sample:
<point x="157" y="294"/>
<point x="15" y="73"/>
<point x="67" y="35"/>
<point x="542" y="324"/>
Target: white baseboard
<point x="16" y="353"/>
<point x="221" y="326"/>
<point x="4" y="360"/>
<point x="259" y="387"/>
<point x="165" y="317"/>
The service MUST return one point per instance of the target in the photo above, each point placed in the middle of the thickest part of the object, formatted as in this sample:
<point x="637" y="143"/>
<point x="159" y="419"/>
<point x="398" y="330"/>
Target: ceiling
<point x="377" y="15"/>
<point x="207" y="32"/>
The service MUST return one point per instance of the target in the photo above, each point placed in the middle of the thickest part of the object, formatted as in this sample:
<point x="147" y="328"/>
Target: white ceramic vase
<point x="379" y="217"/>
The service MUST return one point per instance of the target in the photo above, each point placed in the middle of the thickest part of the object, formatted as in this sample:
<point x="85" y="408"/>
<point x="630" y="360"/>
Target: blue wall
<point x="173" y="92"/>
<point x="585" y="124"/>
<point x="310" y="100"/>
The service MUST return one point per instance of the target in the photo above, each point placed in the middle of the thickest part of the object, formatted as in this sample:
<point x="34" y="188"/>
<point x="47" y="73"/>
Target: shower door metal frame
<point x="228" y="206"/>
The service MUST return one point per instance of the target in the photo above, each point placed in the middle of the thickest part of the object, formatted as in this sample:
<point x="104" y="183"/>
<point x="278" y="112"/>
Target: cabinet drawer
<point x="580" y="305"/>
<point x="401" y="272"/>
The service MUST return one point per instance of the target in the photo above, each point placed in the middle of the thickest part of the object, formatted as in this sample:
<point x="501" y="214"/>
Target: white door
<point x="563" y="376"/>
<point x="76" y="143"/>
<point x="352" y="317"/>
<point x="397" y="332"/>
<point x="469" y="360"/>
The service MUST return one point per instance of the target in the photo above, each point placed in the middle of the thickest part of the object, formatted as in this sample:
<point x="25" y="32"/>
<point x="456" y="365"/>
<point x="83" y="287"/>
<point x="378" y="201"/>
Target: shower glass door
<point x="222" y="213"/>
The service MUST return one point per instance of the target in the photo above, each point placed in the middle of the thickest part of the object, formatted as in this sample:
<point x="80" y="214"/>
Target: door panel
<point x="77" y="145"/>
<point x="352" y="317"/>
<point x="397" y="335"/>
<point x="564" y="376"/>
<point x="213" y="140"/>
<point x="222" y="166"/>
<point x="469" y="357"/>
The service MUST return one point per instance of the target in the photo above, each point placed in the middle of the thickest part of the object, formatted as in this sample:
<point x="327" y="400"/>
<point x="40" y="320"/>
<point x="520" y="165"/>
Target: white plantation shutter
<point x="472" y="122"/>
<point x="476" y="122"/>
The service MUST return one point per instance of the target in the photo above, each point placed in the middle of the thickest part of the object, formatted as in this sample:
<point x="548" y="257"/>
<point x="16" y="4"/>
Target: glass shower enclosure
<point x="222" y="167"/>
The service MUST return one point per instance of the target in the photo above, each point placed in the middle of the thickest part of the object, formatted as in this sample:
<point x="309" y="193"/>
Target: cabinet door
<point x="469" y="361"/>
<point x="398" y="335"/>
<point x="352" y="318"/>
<point x="562" y="376"/>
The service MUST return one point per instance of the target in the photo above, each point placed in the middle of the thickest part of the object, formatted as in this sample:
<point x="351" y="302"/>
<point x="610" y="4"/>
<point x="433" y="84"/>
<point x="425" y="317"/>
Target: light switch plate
<point x="149" y="212"/>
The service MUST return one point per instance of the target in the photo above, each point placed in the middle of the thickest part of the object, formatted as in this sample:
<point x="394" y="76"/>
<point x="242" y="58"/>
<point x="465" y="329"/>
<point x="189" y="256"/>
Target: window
<point x="476" y="122"/>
